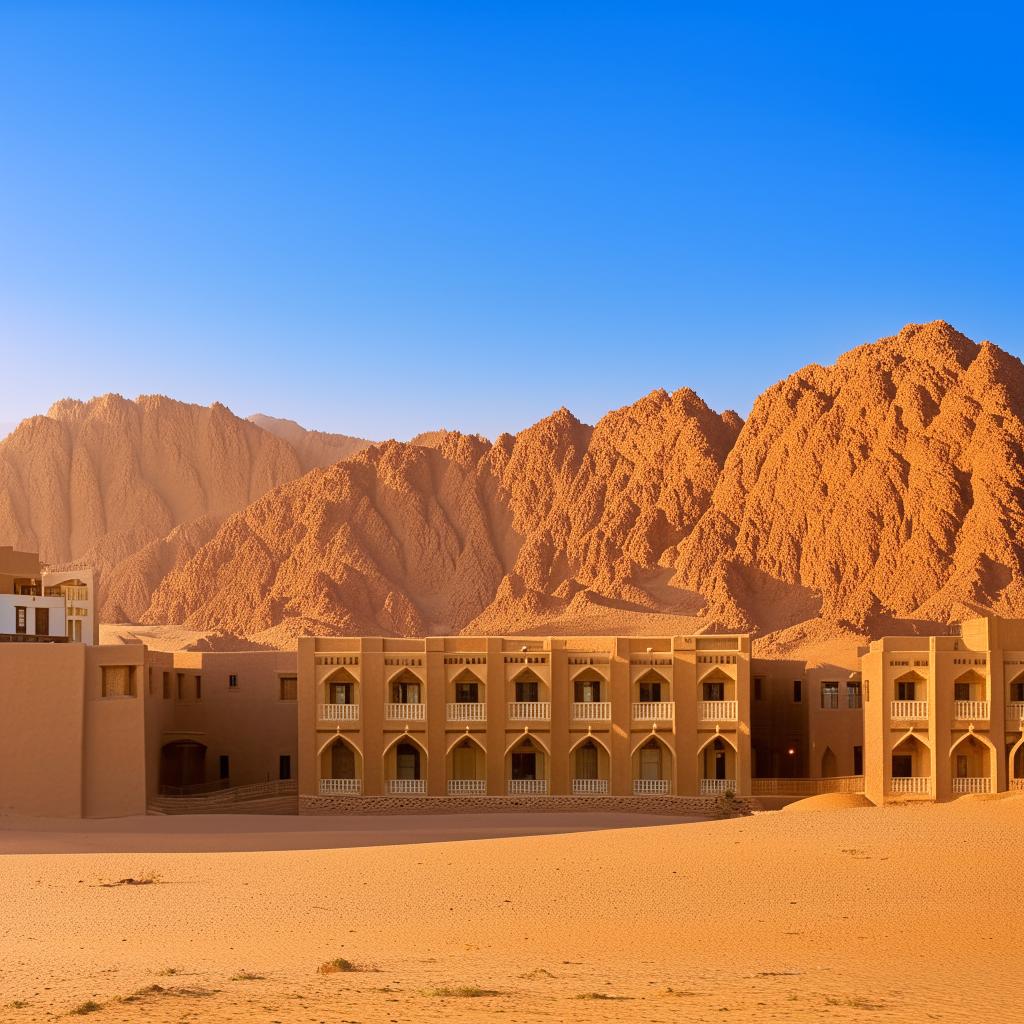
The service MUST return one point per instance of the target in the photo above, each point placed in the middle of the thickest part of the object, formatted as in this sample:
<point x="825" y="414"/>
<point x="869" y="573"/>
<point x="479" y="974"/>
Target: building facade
<point x="39" y="605"/>
<point x="944" y="715"/>
<point x="461" y="716"/>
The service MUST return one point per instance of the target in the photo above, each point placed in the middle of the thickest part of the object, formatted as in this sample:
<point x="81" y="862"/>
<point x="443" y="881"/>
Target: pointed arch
<point x="341" y="674"/>
<point x="526" y="670"/>
<point x="590" y="736"/>
<point x="395" y="677"/>
<point x="602" y="677"/>
<point x="718" y="736"/>
<point x="461" y="738"/>
<point x="912" y="676"/>
<point x="977" y="736"/>
<point x="910" y="734"/>
<point x="653" y="674"/>
<point x="407" y="737"/>
<point x="715" y="674"/>
<point x="527" y="735"/>
<point x="467" y="675"/>
<point x="334" y="739"/>
<point x="329" y="755"/>
<point x="829" y="765"/>
<point x="971" y="675"/>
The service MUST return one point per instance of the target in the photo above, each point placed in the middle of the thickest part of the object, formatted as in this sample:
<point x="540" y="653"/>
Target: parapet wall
<point x="673" y="806"/>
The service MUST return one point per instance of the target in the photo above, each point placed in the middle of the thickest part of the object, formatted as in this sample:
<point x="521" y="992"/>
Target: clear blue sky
<point x="382" y="218"/>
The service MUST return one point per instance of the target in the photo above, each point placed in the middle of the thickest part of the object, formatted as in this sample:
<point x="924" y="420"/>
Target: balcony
<point x="407" y="787"/>
<point x="717" y="787"/>
<point x="339" y="712"/>
<point x="1014" y="713"/>
<point x="650" y="787"/>
<point x="909" y="710"/>
<point x="405" y="712"/>
<point x="654" y="711"/>
<point x="589" y="787"/>
<point x="467" y="712"/>
<point x="917" y="785"/>
<point x="592" y="711"/>
<point x="527" y="787"/>
<point x="344" y="787"/>
<point x="971" y="710"/>
<point x="467" y="787"/>
<point x="972" y="785"/>
<point x="719" y="710"/>
<point x="530" y="711"/>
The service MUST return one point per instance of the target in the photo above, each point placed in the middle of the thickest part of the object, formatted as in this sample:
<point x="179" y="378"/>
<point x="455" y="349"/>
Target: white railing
<point x="716" y="787"/>
<point x="339" y="712"/>
<point x="971" y="785"/>
<point x="401" y="786"/>
<point x="530" y="710"/>
<point x="1016" y="783"/>
<point x="592" y="711"/>
<point x="650" y="787"/>
<point x="467" y="787"/>
<point x="909" y="709"/>
<point x="1014" y="713"/>
<point x="971" y="709"/>
<point x="352" y="787"/>
<point x="917" y="785"/>
<point x="532" y="787"/>
<point x="467" y="712"/>
<point x="719" y="710"/>
<point x="405" y="712"/>
<point x="654" y="711"/>
<point x="588" y="787"/>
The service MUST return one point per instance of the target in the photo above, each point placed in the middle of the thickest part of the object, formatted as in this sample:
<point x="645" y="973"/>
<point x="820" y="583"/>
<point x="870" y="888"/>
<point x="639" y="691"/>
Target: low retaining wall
<point x="675" y="806"/>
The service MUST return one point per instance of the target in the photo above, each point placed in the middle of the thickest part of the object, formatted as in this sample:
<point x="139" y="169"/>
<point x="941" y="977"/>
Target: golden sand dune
<point x="902" y="914"/>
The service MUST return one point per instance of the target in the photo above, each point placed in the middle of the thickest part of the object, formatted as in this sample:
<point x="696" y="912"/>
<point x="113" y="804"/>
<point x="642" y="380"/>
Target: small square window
<point x="284" y="767"/>
<point x="289" y="687"/>
<point x="798" y="691"/>
<point x="232" y="682"/>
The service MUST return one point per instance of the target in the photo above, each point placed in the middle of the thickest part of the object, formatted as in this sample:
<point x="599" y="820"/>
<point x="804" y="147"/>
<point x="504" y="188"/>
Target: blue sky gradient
<point x="383" y="218"/>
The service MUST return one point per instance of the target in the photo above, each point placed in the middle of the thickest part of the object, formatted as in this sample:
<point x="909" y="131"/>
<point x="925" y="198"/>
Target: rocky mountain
<point x="885" y="489"/>
<point x="313" y="447"/>
<point x="136" y="487"/>
<point x="463" y="533"/>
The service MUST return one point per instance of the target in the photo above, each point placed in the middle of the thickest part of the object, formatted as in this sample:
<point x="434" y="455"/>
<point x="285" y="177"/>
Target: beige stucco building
<point x="944" y="715"/>
<point x="106" y="730"/>
<point x="496" y="716"/>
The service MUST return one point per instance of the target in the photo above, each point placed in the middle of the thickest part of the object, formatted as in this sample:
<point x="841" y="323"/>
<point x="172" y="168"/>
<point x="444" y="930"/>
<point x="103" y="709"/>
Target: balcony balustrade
<point x="589" y="787"/>
<point x="654" y="711"/>
<point x="467" y="787"/>
<point x="405" y="712"/>
<point x="972" y="785"/>
<point x="650" y="787"/>
<point x="339" y="712"/>
<point x="971" y="710"/>
<point x="346" y="787"/>
<point x="592" y="711"/>
<point x="719" y="710"/>
<point x="403" y="787"/>
<point x="717" y="787"/>
<point x="467" y="712"/>
<point x="909" y="710"/>
<point x="916" y="785"/>
<point x="530" y="711"/>
<point x="527" y="787"/>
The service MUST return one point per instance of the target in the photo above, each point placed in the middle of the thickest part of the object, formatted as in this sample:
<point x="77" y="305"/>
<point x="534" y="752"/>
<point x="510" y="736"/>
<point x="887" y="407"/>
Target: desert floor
<point x="854" y="914"/>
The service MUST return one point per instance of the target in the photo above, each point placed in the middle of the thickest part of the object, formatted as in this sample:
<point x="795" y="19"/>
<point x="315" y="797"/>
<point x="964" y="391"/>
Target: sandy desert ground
<point x="841" y="914"/>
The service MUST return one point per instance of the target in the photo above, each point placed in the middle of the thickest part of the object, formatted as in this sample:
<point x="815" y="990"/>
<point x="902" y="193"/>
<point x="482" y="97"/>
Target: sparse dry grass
<point x="461" y="992"/>
<point x="247" y="976"/>
<point x="89" y="1006"/>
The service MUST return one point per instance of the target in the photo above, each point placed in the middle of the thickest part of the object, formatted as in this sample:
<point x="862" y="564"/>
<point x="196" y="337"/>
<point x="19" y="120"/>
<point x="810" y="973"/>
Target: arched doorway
<point x="591" y="767"/>
<point x="405" y="767"/>
<point x="970" y="766"/>
<point x="829" y="767"/>
<point x="467" y="768"/>
<point x="910" y="768"/>
<point x="341" y="768"/>
<point x="717" y="767"/>
<point x="182" y="765"/>
<point x="652" y="768"/>
<point x="526" y="767"/>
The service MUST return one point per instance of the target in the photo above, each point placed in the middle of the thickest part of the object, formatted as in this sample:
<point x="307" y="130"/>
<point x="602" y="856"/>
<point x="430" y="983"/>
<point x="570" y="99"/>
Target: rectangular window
<point x="830" y="695"/>
<point x="961" y="691"/>
<point x="902" y="766"/>
<point x="587" y="692"/>
<point x="149" y="682"/>
<point x="232" y="682"/>
<point x="20" y="620"/>
<point x="714" y="691"/>
<point x="906" y="691"/>
<point x="858" y="760"/>
<point x="42" y="622"/>
<point x="1017" y="692"/>
<point x="405" y="693"/>
<point x="289" y="689"/>
<point x="962" y="769"/>
<point x="757" y="689"/>
<point x="199" y="687"/>
<point x="798" y="691"/>
<point x="650" y="693"/>
<point x="853" y="699"/>
<point x="340" y="693"/>
<point x="284" y="767"/>
<point x="466" y="693"/>
<point x="526" y="692"/>
<point x="167" y="685"/>
<point x="225" y="766"/>
<point x="117" y="681"/>
<point x="181" y="685"/>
